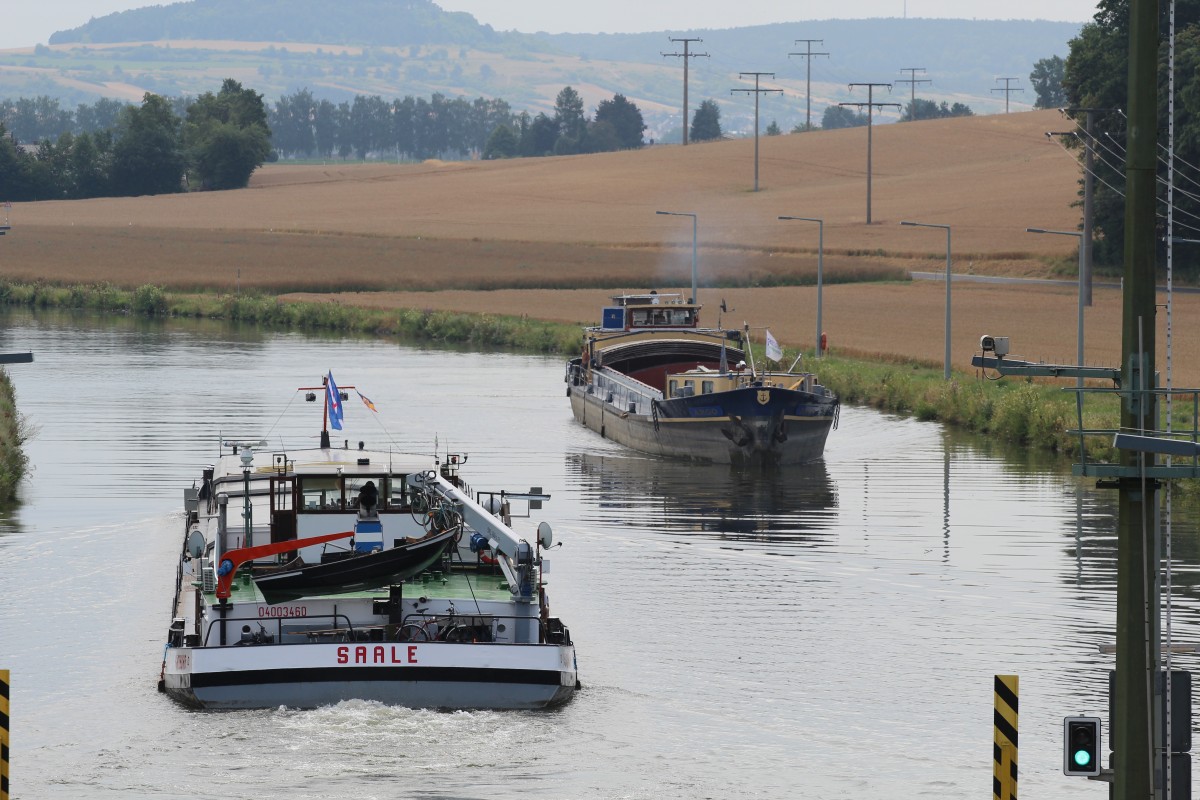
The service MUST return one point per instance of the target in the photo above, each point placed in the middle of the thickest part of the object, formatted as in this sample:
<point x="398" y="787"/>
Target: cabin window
<point x="689" y="385"/>
<point x="355" y="485"/>
<point x="706" y="387"/>
<point x="673" y="388"/>
<point x="319" y="493"/>
<point x="399" y="489"/>
<point x="641" y="318"/>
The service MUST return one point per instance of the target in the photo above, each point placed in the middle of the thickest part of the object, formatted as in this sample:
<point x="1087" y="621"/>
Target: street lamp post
<point x="820" y="268"/>
<point x="946" y="228"/>
<point x="1082" y="292"/>
<point x="693" y="216"/>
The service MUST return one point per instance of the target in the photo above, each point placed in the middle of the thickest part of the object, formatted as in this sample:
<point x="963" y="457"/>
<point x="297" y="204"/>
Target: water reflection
<point x="796" y="505"/>
<point x="921" y="562"/>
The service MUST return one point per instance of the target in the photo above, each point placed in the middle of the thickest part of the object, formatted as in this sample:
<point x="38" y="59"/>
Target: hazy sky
<point x="27" y="22"/>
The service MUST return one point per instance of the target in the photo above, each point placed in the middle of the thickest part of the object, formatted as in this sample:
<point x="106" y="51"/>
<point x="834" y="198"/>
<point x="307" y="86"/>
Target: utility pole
<point x="913" y="80"/>
<point x="1007" y="90"/>
<point x="870" y="104"/>
<point x="756" y="92"/>
<point x="808" y="53"/>
<point x="1089" y="183"/>
<point x="1137" y="508"/>
<point x="685" y="55"/>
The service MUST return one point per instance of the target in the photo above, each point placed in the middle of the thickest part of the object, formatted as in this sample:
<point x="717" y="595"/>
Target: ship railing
<point x="470" y="628"/>
<point x="329" y="626"/>
<point x="625" y="393"/>
<point x="418" y="627"/>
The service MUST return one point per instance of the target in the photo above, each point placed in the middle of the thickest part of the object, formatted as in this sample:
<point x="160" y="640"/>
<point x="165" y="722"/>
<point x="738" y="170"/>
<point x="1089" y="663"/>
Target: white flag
<point x="774" y="351"/>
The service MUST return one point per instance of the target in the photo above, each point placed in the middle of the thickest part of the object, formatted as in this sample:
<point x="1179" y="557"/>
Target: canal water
<point x="828" y="632"/>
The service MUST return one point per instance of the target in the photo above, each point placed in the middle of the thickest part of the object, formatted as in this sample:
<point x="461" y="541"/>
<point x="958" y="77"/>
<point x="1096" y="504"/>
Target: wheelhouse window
<point x="706" y="387"/>
<point x="320" y="493"/>
<point x="660" y="317"/>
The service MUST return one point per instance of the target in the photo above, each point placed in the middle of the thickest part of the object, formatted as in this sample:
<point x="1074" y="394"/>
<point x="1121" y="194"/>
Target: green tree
<point x="501" y="144"/>
<point x="928" y="109"/>
<point x="291" y="120"/>
<point x="920" y="109"/>
<point x="16" y="169"/>
<point x="602" y="137"/>
<point x="100" y="116"/>
<point x="1095" y="76"/>
<point x="148" y="152"/>
<point x="90" y="164"/>
<point x="570" y="121"/>
<point x="1047" y="82"/>
<point x="539" y="137"/>
<point x="706" y="122"/>
<point x="773" y="129"/>
<point x="625" y="118"/>
<point x="227" y="137"/>
<point x="842" y="117"/>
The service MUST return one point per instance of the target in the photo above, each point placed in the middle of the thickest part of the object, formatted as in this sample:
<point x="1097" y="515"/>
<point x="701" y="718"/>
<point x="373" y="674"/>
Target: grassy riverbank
<point x="1014" y="410"/>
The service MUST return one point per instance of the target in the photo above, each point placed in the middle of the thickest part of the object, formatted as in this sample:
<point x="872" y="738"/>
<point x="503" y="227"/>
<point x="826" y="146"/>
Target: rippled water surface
<point x="826" y="632"/>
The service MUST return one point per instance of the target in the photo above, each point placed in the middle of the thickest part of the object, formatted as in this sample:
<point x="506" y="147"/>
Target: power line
<point x="1120" y="193"/>
<point x="686" y="56"/>
<point x="870" y="104"/>
<point x="913" y="80"/>
<point x="1007" y="90"/>
<point x="756" y="92"/>
<point x="808" y="77"/>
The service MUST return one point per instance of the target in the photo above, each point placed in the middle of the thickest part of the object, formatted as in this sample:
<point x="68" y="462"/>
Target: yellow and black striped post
<point x="3" y="734"/>
<point x="1004" y="749"/>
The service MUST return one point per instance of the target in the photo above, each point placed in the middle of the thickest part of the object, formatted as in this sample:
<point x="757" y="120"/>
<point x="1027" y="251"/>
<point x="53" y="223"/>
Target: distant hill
<point x="394" y="48"/>
<point x="370" y="22"/>
<point x="958" y="55"/>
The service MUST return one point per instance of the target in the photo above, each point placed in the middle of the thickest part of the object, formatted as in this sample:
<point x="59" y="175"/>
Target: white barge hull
<point x="416" y="675"/>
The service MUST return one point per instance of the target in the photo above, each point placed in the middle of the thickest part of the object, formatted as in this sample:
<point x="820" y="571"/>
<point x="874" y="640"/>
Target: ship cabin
<point x="631" y="312"/>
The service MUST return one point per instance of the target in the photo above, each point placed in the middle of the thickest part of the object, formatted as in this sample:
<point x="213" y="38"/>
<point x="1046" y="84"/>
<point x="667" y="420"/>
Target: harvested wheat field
<point x="989" y="177"/>
<point x="370" y="234"/>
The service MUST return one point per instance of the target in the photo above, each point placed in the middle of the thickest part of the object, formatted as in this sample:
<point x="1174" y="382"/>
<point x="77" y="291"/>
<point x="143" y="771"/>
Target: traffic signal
<point x="1081" y="746"/>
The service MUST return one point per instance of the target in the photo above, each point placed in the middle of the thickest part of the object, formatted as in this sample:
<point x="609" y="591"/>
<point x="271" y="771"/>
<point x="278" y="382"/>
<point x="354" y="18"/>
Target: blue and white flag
<point x="774" y="351"/>
<point x="333" y="403"/>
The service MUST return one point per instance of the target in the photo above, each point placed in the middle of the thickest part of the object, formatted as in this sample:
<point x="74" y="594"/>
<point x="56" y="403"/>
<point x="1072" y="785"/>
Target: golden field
<point x="370" y="234"/>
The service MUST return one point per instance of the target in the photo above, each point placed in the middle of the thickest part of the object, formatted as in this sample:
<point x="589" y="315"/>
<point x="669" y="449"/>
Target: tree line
<point x="216" y="141"/>
<point x="148" y="149"/>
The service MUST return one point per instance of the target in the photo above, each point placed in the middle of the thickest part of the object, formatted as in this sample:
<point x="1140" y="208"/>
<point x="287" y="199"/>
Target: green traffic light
<point x="1083" y="758"/>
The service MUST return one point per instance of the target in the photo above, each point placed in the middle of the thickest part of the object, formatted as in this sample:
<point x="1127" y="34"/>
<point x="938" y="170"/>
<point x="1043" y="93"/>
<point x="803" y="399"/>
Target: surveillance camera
<point x="994" y="344"/>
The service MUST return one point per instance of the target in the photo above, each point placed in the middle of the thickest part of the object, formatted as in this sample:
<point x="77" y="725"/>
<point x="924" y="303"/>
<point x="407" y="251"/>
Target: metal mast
<point x="808" y="53"/>
<point x="686" y="56"/>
